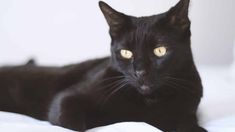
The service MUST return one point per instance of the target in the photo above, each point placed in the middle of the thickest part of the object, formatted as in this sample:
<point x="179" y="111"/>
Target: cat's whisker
<point x="179" y="86"/>
<point x="115" y="85"/>
<point x="114" y="77"/>
<point x="178" y="79"/>
<point x="111" y="78"/>
<point x="108" y="89"/>
<point x="131" y="80"/>
<point x="110" y="84"/>
<point x="172" y="86"/>
<point x="117" y="89"/>
<point x="120" y="86"/>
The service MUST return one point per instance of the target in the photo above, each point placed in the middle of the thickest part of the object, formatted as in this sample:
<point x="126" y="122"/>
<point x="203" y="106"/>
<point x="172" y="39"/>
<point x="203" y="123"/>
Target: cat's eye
<point x="126" y="54"/>
<point x="160" y="51"/>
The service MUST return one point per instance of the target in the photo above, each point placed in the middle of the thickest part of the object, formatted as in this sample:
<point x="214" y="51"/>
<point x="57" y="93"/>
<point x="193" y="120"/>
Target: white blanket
<point x="217" y="110"/>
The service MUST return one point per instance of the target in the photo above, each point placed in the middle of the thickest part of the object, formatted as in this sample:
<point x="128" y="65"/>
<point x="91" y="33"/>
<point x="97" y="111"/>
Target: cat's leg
<point x="68" y="110"/>
<point x="189" y="123"/>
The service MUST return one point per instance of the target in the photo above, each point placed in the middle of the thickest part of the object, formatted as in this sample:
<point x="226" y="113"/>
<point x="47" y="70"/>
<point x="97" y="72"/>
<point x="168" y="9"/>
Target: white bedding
<point x="217" y="110"/>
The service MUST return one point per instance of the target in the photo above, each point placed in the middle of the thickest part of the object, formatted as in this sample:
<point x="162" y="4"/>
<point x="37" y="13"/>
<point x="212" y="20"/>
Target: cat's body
<point x="150" y="77"/>
<point x="31" y="90"/>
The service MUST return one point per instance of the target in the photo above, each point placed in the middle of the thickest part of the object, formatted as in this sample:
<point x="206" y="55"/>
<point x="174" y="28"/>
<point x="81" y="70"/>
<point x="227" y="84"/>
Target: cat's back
<point x="27" y="73"/>
<point x="32" y="75"/>
<point x="33" y="70"/>
<point x="23" y="87"/>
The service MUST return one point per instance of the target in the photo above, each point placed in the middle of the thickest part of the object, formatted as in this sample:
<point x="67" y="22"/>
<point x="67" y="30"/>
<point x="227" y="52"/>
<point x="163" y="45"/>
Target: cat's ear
<point x="117" y="21"/>
<point x="178" y="15"/>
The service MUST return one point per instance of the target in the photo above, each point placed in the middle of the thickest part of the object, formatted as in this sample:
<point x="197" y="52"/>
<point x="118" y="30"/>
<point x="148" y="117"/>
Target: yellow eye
<point x="160" y="51"/>
<point x="127" y="54"/>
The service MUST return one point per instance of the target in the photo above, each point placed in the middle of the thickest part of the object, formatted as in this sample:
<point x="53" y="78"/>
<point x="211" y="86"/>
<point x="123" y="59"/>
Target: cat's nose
<point x="140" y="73"/>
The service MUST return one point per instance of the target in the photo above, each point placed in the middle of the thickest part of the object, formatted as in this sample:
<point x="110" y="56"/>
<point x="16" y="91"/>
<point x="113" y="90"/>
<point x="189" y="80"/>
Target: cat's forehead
<point x="147" y="21"/>
<point x="144" y="29"/>
<point x="148" y="26"/>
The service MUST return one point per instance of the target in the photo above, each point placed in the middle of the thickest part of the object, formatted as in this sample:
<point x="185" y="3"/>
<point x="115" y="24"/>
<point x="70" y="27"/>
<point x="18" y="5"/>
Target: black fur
<point x="105" y="91"/>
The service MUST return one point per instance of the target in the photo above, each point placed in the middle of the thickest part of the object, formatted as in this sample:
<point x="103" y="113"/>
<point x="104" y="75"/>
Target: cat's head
<point x="149" y="49"/>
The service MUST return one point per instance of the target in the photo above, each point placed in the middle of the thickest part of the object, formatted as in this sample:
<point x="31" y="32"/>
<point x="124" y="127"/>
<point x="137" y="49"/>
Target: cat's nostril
<point x="140" y="73"/>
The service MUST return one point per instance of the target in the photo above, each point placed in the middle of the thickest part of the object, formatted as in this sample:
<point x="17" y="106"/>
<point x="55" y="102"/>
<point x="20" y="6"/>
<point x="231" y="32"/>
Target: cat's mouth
<point x="143" y="86"/>
<point x="145" y="90"/>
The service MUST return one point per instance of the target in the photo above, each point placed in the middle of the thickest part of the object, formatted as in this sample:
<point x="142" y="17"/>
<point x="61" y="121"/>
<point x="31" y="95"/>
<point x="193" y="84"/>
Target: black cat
<point x="150" y="77"/>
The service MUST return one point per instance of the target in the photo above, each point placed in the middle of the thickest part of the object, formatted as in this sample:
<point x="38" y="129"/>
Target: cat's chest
<point x="133" y="108"/>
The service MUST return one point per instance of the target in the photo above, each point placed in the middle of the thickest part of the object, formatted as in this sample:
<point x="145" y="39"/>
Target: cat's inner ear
<point x="117" y="21"/>
<point x="178" y="15"/>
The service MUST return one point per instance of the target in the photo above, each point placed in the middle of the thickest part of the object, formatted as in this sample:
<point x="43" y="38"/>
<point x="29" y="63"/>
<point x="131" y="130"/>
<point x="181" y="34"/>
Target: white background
<point x="58" y="32"/>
